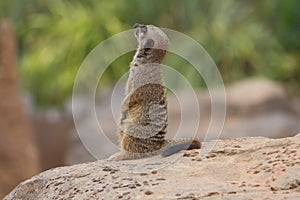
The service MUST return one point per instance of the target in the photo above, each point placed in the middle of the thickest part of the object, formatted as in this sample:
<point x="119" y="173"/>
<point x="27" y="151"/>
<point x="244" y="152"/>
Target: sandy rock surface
<point x="245" y="168"/>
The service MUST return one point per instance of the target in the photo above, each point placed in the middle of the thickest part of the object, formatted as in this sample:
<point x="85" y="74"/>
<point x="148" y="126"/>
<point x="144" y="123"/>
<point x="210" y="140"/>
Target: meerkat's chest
<point x="145" y="74"/>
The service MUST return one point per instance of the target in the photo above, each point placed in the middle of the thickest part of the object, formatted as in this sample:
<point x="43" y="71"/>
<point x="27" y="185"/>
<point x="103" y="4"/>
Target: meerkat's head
<point x="151" y="37"/>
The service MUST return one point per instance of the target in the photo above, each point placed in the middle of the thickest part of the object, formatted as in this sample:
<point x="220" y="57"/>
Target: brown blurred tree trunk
<point x="18" y="154"/>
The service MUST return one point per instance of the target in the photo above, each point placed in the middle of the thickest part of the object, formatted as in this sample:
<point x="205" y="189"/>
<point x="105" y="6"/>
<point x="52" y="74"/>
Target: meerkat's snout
<point x="139" y="29"/>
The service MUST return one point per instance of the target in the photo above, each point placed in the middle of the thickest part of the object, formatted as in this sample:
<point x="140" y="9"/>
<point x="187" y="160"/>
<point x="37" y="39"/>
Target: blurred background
<point x="255" y="44"/>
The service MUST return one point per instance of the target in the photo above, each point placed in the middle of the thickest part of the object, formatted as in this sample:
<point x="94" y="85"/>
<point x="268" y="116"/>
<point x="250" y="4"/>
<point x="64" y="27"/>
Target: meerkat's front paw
<point x="118" y="156"/>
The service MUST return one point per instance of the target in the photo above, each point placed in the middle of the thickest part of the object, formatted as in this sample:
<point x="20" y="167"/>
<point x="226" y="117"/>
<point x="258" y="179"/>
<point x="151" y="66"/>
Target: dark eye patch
<point x="143" y="29"/>
<point x="149" y="44"/>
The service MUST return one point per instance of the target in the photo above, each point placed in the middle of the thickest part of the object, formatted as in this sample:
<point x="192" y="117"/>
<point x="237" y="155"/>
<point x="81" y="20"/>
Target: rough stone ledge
<point x="245" y="168"/>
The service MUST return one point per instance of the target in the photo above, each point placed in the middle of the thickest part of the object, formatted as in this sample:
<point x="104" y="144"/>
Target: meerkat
<point x="143" y="121"/>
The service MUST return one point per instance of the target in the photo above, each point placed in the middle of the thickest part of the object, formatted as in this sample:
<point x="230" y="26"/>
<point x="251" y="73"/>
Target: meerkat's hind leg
<point x="177" y="145"/>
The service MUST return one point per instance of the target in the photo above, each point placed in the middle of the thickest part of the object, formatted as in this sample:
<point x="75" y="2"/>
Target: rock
<point x="18" y="153"/>
<point x="259" y="107"/>
<point x="282" y="124"/>
<point x="245" y="168"/>
<point x="255" y="95"/>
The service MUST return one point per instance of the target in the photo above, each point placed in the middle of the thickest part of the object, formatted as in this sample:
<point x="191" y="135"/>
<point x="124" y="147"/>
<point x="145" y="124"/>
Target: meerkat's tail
<point x="174" y="146"/>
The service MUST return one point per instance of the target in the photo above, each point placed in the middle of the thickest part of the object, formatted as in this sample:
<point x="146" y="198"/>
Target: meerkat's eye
<point x="149" y="44"/>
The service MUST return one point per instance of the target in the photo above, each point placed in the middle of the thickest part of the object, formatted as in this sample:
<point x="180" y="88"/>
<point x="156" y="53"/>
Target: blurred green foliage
<point x="244" y="38"/>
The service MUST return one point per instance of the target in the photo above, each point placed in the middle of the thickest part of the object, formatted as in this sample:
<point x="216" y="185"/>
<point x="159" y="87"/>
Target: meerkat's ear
<point x="149" y="44"/>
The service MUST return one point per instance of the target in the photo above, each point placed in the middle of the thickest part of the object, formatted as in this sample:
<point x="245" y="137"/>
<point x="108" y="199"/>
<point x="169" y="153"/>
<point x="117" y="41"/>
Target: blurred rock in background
<point x="259" y="107"/>
<point x="18" y="152"/>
